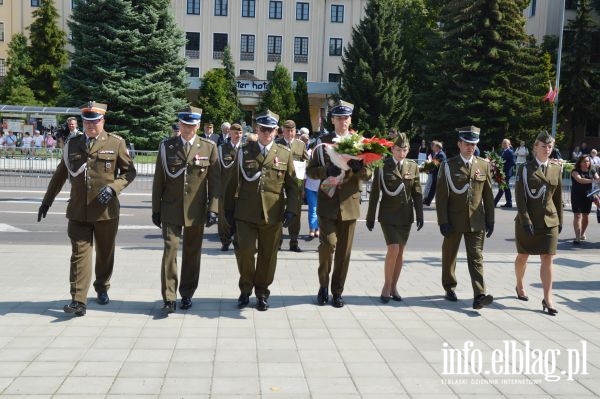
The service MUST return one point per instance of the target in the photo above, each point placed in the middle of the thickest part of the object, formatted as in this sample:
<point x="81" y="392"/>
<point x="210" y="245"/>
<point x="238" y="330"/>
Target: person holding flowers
<point x="465" y="207"/>
<point x="339" y="208"/>
<point x="397" y="183"/>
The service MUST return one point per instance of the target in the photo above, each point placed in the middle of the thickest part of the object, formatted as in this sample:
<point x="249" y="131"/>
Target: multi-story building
<point x="543" y="19"/>
<point x="305" y="36"/>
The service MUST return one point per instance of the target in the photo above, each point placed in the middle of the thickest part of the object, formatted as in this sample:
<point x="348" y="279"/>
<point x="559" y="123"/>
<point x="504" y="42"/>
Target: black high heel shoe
<point x="384" y="299"/>
<point x="396" y="298"/>
<point x="550" y="311"/>
<point x="521" y="297"/>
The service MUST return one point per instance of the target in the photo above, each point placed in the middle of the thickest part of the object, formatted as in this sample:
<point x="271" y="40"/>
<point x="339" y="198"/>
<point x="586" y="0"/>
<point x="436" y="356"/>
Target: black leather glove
<point x="287" y="218"/>
<point x="419" y="224"/>
<point x="42" y="212"/>
<point x="370" y="224"/>
<point x="333" y="170"/>
<point x="105" y="195"/>
<point x="156" y="219"/>
<point x="489" y="229"/>
<point x="559" y="228"/>
<point x="445" y="229"/>
<point x="529" y="229"/>
<point x="355" y="164"/>
<point x="211" y="218"/>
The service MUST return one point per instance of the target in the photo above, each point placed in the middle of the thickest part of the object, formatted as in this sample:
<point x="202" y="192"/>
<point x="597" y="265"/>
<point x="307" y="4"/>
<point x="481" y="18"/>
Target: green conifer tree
<point x="128" y="54"/>
<point x="48" y="53"/>
<point x="490" y="74"/>
<point x="215" y="98"/>
<point x="15" y="89"/>
<point x="302" y="118"/>
<point x="279" y="96"/>
<point x="235" y="113"/>
<point x="580" y="78"/>
<point x="373" y="70"/>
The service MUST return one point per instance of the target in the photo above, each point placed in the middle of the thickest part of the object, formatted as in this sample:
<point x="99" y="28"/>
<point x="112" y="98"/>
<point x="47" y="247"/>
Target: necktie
<point x="264" y="151"/>
<point x="90" y="143"/>
<point x="187" y="148"/>
<point x="543" y="167"/>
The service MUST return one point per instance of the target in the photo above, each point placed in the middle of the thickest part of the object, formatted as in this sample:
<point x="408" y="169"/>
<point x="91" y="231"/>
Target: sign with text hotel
<point x="252" y="85"/>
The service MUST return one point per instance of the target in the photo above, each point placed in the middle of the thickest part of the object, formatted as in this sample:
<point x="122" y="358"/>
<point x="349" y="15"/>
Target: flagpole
<point x="558" y="60"/>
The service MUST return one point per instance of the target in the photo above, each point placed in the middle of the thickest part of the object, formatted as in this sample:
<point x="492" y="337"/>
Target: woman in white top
<point x="521" y="153"/>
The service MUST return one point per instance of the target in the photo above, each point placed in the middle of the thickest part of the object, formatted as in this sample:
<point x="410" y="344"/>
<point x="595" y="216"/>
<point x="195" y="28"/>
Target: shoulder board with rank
<point x="115" y="136"/>
<point x="285" y="147"/>
<point x="208" y="141"/>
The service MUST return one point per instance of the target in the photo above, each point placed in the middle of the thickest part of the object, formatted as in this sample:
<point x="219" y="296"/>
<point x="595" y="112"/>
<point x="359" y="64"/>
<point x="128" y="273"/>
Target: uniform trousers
<point x="336" y="237"/>
<point x="474" y="247"/>
<point x="294" y="227"/>
<point x="259" y="273"/>
<point x="82" y="235"/>
<point x="190" y="260"/>
<point x="223" y="226"/>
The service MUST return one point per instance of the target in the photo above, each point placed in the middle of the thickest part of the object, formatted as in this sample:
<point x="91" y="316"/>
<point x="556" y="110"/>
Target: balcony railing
<point x="246" y="56"/>
<point x="217" y="55"/>
<point x="274" y="58"/>
<point x="192" y="54"/>
<point x="301" y="59"/>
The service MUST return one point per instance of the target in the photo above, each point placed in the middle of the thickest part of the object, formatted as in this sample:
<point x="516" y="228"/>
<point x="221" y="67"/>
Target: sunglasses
<point x="264" y="129"/>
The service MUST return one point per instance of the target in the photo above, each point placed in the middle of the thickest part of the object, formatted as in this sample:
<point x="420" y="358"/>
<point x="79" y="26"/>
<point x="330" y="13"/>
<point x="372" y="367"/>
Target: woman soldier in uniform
<point x="398" y="182"/>
<point x="538" y="191"/>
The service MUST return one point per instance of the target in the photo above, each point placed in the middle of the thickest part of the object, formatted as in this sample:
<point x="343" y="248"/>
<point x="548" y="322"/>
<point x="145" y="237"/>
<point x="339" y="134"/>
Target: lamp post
<point x="558" y="60"/>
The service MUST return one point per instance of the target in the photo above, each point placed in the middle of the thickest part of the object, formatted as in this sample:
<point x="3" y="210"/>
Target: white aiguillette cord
<point x="386" y="190"/>
<point x="241" y="165"/>
<point x="539" y="194"/>
<point x="81" y="169"/>
<point x="450" y="183"/>
<point x="222" y="161"/>
<point x="163" y="156"/>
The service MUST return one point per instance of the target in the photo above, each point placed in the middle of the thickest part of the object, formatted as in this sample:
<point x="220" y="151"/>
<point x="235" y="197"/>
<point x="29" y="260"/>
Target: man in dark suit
<point x="438" y="155"/>
<point x="185" y="195"/>
<point x="98" y="167"/>
<point x="255" y="204"/>
<point x="338" y="213"/>
<point x="300" y="156"/>
<point x="209" y="134"/>
<point x="465" y="207"/>
<point x="508" y="156"/>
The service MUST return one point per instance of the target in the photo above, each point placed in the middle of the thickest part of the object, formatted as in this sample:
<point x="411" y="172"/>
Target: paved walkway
<point x="297" y="349"/>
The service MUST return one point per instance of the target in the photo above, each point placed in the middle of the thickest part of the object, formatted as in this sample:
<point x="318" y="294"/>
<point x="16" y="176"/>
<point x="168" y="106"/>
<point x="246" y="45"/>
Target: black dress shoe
<point x="506" y="206"/>
<point x="482" y="300"/>
<point x="451" y="296"/>
<point x="243" y="300"/>
<point x="76" y="308"/>
<point x="338" y="302"/>
<point x="262" y="304"/>
<point x="295" y="248"/>
<point x="186" y="303"/>
<point x="396" y="298"/>
<point x="169" y="307"/>
<point x="323" y="296"/>
<point x="225" y="247"/>
<point x="384" y="299"/>
<point x="103" y="298"/>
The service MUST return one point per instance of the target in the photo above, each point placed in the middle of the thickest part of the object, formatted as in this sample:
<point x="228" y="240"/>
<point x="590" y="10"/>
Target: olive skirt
<point x="395" y="234"/>
<point x="543" y="242"/>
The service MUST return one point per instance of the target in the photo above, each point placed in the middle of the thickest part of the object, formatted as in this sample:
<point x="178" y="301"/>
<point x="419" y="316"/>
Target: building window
<point x="270" y="75"/>
<point x="571" y="4"/>
<point x="247" y="71"/>
<point x="192" y="72"/>
<point x="247" y="48"/>
<point x="2" y="67"/>
<point x="274" y="48"/>
<point x="35" y="3"/>
<point x="193" y="7"/>
<point x="1" y="31"/>
<point x="192" y="45"/>
<point x="335" y="47"/>
<point x="532" y="8"/>
<point x="275" y="9"/>
<point x="335" y="77"/>
<point x="248" y="8"/>
<point x="298" y="75"/>
<point x="337" y="13"/>
<point x="302" y="11"/>
<point x="219" y="44"/>
<point x="221" y="8"/>
<point x="301" y="49"/>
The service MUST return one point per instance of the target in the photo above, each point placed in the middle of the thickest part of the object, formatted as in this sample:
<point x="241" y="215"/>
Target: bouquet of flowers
<point x="430" y="165"/>
<point x="497" y="169"/>
<point x="353" y="146"/>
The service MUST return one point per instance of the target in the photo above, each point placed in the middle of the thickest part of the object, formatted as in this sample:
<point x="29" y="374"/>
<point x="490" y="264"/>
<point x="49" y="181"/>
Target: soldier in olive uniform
<point x="338" y="213"/>
<point x="398" y="184"/>
<point x="185" y="195"/>
<point x="255" y="199"/>
<point x="99" y="167"/>
<point x="227" y="157"/>
<point x="299" y="153"/>
<point x="538" y="191"/>
<point x="465" y="207"/>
